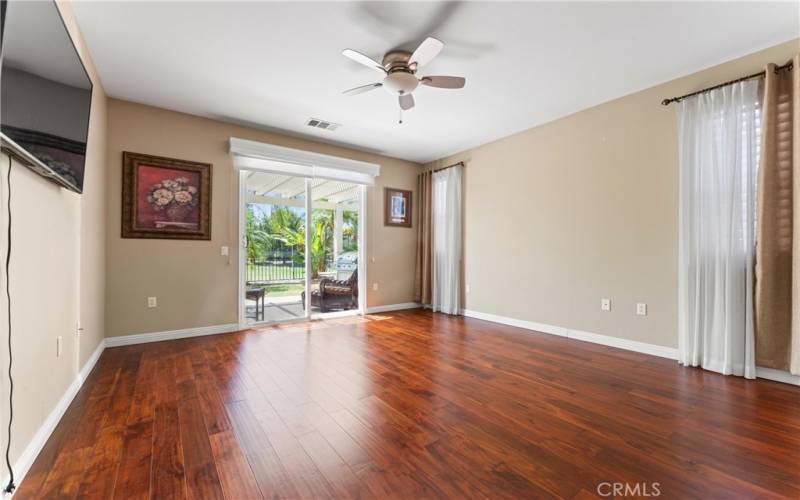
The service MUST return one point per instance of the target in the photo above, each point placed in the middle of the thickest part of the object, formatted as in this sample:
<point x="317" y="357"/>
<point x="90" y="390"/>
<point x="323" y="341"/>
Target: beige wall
<point x="586" y="207"/>
<point x="194" y="284"/>
<point x="57" y="275"/>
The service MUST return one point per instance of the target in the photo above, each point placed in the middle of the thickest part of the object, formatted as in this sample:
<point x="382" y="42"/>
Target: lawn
<point x="285" y="289"/>
<point x="277" y="272"/>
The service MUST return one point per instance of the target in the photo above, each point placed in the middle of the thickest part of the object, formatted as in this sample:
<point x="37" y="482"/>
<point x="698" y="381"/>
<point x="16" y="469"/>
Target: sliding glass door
<point x="335" y="250"/>
<point x="302" y="247"/>
<point x="275" y="240"/>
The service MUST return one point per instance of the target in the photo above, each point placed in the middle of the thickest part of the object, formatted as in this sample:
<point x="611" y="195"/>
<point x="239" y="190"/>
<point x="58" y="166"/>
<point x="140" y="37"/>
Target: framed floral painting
<point x="165" y="198"/>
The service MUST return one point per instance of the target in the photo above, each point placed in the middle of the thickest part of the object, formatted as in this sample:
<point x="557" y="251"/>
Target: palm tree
<point x="321" y="240"/>
<point x="283" y="217"/>
<point x="258" y="239"/>
<point x="350" y="230"/>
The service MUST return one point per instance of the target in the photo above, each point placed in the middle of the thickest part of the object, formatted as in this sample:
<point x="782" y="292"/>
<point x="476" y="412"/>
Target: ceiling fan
<point x="399" y="68"/>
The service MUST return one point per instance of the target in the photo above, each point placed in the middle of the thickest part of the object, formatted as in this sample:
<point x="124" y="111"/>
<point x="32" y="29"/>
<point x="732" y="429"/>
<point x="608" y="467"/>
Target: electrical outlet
<point x="223" y="251"/>
<point x="58" y="346"/>
<point x="152" y="302"/>
<point x="641" y="309"/>
<point x="375" y="286"/>
<point x="605" y="304"/>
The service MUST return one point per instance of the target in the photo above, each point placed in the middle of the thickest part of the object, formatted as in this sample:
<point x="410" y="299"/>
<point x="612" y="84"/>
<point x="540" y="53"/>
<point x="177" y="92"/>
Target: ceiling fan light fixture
<point x="400" y="68"/>
<point x="400" y="82"/>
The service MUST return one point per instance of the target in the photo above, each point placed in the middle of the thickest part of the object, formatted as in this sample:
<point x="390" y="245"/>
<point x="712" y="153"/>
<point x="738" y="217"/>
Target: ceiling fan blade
<point x="406" y="102"/>
<point x="362" y="89"/>
<point x="426" y="51"/>
<point x="362" y="59"/>
<point x="444" y="82"/>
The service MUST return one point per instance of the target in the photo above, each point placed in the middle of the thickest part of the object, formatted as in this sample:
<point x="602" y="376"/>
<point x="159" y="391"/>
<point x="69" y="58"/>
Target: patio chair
<point x="335" y="294"/>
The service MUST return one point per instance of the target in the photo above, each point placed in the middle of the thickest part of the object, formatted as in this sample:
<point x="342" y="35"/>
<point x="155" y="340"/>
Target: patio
<point x="276" y="309"/>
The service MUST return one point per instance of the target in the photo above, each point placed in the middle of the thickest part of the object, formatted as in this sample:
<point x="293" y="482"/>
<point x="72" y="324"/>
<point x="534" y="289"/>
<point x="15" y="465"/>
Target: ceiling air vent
<point x="317" y="123"/>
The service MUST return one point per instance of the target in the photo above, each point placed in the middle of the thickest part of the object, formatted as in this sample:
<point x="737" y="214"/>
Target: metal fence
<point x="278" y="265"/>
<point x="263" y="272"/>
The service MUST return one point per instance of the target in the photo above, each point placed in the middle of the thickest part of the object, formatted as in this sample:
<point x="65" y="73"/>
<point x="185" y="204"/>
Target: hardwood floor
<point x="414" y="405"/>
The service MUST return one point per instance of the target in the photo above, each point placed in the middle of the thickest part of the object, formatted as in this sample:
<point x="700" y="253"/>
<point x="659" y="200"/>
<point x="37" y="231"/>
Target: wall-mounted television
<point x="45" y="93"/>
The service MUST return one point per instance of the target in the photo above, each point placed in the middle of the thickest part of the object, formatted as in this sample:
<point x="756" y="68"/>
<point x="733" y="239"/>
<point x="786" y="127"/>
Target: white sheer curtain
<point x="718" y="135"/>
<point x="447" y="240"/>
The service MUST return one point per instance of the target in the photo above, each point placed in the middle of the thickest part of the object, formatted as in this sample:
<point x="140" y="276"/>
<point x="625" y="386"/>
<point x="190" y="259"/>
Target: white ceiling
<point x="273" y="65"/>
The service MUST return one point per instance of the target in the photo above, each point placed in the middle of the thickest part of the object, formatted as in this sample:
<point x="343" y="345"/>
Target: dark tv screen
<point x="45" y="93"/>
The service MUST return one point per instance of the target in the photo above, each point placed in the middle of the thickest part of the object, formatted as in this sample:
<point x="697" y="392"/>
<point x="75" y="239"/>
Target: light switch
<point x="152" y="302"/>
<point x="223" y="251"/>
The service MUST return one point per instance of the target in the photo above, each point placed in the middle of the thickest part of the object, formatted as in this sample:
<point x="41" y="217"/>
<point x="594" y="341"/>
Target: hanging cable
<point x="10" y="486"/>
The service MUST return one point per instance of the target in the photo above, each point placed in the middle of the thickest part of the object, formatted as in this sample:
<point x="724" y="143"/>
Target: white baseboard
<point x="595" y="338"/>
<point x="142" y="338"/>
<point x="89" y="366"/>
<point x="25" y="461"/>
<point x="777" y="375"/>
<point x="630" y="345"/>
<point x="393" y="307"/>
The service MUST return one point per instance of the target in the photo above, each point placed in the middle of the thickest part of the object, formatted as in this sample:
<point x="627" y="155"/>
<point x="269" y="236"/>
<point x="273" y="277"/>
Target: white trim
<point x="89" y="366"/>
<point x="393" y="307"/>
<point x="363" y="264"/>
<point x="269" y="157"/>
<point x="777" y="376"/>
<point x="28" y="456"/>
<point x="595" y="338"/>
<point x="630" y="345"/>
<point x="142" y="338"/>
<point x="241" y="255"/>
<point x="307" y="255"/>
<point x="293" y="202"/>
<point x="519" y="323"/>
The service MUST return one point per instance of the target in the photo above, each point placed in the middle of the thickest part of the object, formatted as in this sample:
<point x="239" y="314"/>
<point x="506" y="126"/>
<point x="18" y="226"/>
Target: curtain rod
<point x="667" y="102"/>
<point x="449" y="166"/>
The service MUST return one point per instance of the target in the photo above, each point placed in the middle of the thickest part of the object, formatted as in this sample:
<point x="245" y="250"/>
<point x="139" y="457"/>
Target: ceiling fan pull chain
<point x="400" y="121"/>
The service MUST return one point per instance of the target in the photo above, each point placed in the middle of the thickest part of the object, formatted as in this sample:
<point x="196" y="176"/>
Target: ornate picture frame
<point x="165" y="198"/>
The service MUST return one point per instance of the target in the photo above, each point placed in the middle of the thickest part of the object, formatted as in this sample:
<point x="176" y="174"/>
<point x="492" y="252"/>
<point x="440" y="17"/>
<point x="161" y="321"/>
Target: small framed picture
<point x="397" y="207"/>
<point x="165" y="198"/>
